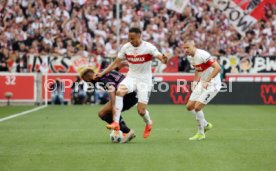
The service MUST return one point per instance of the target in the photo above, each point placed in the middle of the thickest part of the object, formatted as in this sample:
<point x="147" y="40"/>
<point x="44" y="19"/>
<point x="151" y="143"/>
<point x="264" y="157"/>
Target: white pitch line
<point x="22" y="113"/>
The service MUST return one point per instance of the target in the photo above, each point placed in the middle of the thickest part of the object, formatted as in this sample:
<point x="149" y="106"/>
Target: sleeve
<point x="207" y="58"/>
<point x="154" y="51"/>
<point x="121" y="53"/>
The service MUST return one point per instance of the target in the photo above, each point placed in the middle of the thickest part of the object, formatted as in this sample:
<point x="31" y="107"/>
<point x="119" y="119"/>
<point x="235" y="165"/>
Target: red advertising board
<point x="21" y="86"/>
<point x="24" y="87"/>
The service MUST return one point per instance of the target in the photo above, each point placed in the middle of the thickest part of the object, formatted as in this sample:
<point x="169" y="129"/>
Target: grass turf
<point x="73" y="138"/>
<point x="9" y="110"/>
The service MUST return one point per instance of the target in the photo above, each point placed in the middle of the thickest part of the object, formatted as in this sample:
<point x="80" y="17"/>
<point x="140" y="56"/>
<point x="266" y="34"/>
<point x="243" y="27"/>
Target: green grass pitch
<point x="73" y="138"/>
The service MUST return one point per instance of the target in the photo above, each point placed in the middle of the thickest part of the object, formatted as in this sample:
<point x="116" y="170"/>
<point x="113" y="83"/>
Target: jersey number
<point x="208" y="95"/>
<point x="10" y="80"/>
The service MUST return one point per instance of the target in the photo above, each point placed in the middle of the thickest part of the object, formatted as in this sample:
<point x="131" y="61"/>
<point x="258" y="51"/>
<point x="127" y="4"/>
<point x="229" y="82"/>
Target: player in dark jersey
<point x="110" y="82"/>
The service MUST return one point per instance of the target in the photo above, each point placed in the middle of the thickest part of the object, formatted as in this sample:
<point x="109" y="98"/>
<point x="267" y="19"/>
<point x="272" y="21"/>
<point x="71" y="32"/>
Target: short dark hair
<point x="135" y="30"/>
<point x="85" y="72"/>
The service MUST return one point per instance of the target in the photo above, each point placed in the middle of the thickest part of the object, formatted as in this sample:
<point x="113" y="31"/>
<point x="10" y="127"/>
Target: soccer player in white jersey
<point x="205" y="86"/>
<point x="139" y="55"/>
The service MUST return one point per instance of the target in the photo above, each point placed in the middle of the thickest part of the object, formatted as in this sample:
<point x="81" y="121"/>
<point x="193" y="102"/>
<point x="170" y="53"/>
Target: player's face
<point x="189" y="49"/>
<point x="134" y="39"/>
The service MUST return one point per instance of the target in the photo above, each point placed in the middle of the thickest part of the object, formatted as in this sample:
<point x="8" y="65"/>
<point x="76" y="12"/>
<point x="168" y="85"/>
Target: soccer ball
<point x="116" y="136"/>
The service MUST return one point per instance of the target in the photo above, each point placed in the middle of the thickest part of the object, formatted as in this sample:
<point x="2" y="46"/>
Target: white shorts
<point x="203" y="95"/>
<point x="142" y="87"/>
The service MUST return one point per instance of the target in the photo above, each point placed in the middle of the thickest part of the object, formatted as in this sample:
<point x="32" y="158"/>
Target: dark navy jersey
<point x="112" y="78"/>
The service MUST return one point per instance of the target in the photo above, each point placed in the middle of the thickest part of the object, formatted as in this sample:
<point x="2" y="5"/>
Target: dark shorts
<point x="129" y="101"/>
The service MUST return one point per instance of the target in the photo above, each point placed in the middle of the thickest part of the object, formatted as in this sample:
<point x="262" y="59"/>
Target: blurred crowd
<point x="81" y="93"/>
<point x="88" y="28"/>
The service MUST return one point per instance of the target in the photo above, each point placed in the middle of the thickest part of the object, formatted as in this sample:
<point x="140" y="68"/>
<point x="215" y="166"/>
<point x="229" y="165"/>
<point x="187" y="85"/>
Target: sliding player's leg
<point x="128" y="133"/>
<point x="130" y="100"/>
<point x="105" y="114"/>
<point x="125" y="87"/>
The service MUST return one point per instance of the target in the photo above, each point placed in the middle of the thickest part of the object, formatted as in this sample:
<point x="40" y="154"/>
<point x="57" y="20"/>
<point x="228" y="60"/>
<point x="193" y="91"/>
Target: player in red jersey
<point x="139" y="55"/>
<point x="206" y="85"/>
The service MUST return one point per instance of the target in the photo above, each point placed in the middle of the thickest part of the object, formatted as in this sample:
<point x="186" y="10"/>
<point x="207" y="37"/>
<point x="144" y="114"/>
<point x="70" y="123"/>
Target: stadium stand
<point x="88" y="28"/>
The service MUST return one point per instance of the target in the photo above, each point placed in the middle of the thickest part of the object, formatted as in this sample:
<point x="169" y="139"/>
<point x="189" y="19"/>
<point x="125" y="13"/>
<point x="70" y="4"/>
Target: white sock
<point x="193" y="112"/>
<point x="201" y="121"/>
<point x="118" y="108"/>
<point x="146" y="118"/>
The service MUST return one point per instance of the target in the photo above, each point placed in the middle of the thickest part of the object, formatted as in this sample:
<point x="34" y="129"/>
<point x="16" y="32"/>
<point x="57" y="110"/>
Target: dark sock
<point x="123" y="126"/>
<point x="109" y="119"/>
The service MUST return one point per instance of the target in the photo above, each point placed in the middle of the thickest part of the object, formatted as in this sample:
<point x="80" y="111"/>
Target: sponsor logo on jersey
<point x="138" y="59"/>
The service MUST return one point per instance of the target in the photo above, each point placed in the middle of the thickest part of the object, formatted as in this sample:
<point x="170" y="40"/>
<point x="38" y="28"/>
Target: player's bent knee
<point x="190" y="107"/>
<point x="101" y="114"/>
<point x="121" y="93"/>
<point x="198" y="108"/>
<point x="141" y="110"/>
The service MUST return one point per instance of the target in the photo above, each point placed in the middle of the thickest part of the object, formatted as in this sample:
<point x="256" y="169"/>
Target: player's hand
<point x="164" y="59"/>
<point x="205" y="85"/>
<point x="99" y="75"/>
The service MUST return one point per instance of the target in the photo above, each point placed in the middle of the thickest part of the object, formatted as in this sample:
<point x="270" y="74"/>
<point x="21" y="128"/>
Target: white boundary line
<point x="21" y="100"/>
<point x="22" y="113"/>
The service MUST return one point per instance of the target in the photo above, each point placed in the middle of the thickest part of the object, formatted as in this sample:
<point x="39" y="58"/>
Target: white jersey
<point x="202" y="61"/>
<point x="139" y="59"/>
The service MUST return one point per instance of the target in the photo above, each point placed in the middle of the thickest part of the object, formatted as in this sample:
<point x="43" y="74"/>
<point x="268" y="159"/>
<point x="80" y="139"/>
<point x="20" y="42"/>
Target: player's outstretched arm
<point x="163" y="58"/>
<point x="111" y="67"/>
